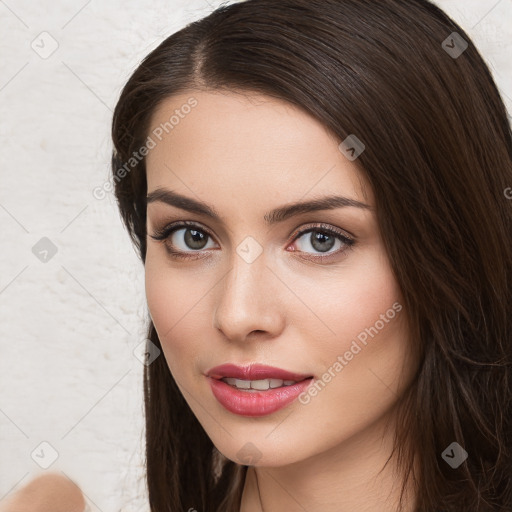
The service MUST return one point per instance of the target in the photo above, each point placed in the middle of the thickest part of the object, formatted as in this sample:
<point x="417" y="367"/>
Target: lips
<point x="256" y="403"/>
<point x="254" y="372"/>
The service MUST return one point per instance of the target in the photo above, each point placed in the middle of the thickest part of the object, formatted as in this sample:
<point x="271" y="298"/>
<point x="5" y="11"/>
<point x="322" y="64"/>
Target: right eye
<point x="191" y="236"/>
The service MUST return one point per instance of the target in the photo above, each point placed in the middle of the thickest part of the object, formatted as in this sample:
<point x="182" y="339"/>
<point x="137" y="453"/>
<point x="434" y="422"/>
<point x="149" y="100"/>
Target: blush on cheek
<point x="364" y="310"/>
<point x="372" y="321"/>
<point x="175" y="308"/>
<point x="163" y="300"/>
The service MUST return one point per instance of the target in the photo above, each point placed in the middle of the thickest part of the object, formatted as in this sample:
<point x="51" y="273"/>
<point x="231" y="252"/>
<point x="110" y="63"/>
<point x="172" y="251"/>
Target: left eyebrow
<point x="274" y="216"/>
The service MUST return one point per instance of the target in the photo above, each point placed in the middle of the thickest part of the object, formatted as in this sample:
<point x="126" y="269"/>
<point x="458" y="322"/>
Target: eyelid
<point x="322" y="226"/>
<point x="165" y="231"/>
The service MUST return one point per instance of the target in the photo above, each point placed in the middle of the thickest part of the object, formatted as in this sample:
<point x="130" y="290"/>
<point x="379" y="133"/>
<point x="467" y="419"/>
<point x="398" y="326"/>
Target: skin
<point x="245" y="154"/>
<point x="46" y="493"/>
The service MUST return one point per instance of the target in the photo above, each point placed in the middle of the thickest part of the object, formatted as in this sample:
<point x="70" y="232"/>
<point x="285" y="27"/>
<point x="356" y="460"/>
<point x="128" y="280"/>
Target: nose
<point x="249" y="301"/>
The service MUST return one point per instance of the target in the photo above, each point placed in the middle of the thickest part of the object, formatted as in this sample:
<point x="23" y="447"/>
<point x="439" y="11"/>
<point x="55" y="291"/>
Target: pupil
<point x="318" y="241"/>
<point x="195" y="239"/>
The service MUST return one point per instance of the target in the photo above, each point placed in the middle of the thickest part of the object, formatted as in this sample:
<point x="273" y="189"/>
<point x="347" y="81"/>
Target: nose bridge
<point x="243" y="304"/>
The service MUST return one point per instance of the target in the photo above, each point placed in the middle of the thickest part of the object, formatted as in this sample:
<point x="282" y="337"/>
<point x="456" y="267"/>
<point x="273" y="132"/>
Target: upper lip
<point x="253" y="372"/>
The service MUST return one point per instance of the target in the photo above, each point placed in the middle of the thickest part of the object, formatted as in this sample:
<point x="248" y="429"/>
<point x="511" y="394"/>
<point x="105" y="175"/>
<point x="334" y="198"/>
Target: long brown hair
<point x="438" y="156"/>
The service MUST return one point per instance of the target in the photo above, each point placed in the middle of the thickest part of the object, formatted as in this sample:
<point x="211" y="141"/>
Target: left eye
<point x="323" y="240"/>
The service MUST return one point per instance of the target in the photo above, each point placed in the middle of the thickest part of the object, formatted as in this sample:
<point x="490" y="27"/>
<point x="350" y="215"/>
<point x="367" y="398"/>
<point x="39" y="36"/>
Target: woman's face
<point x="250" y="287"/>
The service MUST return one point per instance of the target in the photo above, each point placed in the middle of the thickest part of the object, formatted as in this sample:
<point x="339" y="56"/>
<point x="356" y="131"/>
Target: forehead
<point x="227" y="144"/>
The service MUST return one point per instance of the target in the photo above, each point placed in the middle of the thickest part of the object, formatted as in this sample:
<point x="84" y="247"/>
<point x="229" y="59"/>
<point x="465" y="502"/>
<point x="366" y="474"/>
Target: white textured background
<point x="69" y="326"/>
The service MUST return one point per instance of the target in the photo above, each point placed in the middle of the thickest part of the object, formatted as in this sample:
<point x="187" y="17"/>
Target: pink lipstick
<point x="255" y="390"/>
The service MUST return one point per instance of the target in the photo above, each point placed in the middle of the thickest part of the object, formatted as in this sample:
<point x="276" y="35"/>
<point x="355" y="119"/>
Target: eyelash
<point x="167" y="231"/>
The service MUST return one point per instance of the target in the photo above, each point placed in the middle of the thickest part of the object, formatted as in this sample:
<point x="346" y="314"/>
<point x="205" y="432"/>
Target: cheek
<point x="366" y="362"/>
<point x="366" y="305"/>
<point x="162" y="294"/>
<point x="362" y="301"/>
<point x="166" y="299"/>
<point x="360" y="365"/>
<point x="168" y="291"/>
<point x="362" y="342"/>
<point x="177" y="302"/>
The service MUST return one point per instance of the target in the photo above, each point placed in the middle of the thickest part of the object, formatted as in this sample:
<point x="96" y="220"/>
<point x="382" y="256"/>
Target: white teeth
<point x="242" y="384"/>
<point x="260" y="385"/>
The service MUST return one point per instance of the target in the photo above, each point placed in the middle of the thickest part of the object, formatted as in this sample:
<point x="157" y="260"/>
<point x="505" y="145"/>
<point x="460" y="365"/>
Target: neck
<point x="351" y="476"/>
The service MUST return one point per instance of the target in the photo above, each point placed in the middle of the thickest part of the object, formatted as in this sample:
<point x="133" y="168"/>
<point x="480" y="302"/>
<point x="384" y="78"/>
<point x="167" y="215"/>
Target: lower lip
<point x="256" y="403"/>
